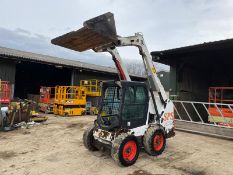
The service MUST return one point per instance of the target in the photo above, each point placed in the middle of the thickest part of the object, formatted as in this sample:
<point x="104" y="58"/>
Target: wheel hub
<point x="158" y="141"/>
<point x="129" y="150"/>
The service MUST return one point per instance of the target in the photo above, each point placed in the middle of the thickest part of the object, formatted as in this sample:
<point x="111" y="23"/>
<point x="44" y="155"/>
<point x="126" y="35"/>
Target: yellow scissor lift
<point x="93" y="92"/>
<point x="92" y="86"/>
<point x="70" y="100"/>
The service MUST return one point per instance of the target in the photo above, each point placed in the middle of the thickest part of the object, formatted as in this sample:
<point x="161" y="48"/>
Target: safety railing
<point x="47" y="94"/>
<point x="5" y="92"/>
<point x="70" y="95"/>
<point x="92" y="86"/>
<point x="216" y="114"/>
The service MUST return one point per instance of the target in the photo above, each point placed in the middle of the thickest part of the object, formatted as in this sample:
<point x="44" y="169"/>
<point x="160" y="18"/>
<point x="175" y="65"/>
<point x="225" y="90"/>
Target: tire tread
<point x="88" y="138"/>
<point x="148" y="138"/>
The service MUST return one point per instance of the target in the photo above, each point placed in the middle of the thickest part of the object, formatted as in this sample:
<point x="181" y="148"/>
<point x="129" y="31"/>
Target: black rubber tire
<point x="66" y="114"/>
<point x="148" y="141"/>
<point x="117" y="150"/>
<point x="91" y="113"/>
<point x="88" y="139"/>
<point x="83" y="113"/>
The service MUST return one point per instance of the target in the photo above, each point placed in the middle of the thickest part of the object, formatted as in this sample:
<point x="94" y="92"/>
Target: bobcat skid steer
<point x="132" y="114"/>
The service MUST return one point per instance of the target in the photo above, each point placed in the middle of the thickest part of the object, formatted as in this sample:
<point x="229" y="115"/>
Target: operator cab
<point x="124" y="105"/>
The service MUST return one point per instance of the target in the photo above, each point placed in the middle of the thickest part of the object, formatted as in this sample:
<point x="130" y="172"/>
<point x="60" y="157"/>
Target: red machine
<point x="221" y="107"/>
<point x="5" y="92"/>
<point x="46" y="99"/>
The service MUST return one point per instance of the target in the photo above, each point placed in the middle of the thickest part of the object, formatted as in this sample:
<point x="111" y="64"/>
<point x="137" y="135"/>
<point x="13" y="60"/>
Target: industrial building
<point x="201" y="78"/>
<point x="193" y="69"/>
<point x="28" y="71"/>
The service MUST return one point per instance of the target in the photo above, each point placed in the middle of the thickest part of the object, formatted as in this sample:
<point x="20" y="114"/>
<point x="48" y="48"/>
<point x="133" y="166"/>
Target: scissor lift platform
<point x="69" y="100"/>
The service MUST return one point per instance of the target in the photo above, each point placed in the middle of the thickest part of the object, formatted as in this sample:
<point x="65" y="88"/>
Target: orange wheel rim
<point x="158" y="141"/>
<point x="130" y="150"/>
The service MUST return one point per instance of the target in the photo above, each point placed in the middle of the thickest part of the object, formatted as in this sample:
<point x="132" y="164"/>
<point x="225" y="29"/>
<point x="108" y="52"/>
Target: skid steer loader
<point x="132" y="114"/>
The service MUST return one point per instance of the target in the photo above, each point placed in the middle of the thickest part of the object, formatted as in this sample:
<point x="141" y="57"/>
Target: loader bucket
<point x="96" y="32"/>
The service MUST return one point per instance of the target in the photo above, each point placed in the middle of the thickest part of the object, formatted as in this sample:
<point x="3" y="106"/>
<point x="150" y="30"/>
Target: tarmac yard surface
<point x="56" y="148"/>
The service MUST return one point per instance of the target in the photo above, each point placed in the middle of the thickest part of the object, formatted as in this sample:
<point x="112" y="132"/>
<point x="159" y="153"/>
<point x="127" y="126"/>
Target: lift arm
<point x="138" y="41"/>
<point x="99" y="34"/>
<point x="121" y="68"/>
<point x="122" y="71"/>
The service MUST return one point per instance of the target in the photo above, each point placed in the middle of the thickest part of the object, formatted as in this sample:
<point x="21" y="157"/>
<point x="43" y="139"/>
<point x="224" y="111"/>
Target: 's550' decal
<point x="168" y="116"/>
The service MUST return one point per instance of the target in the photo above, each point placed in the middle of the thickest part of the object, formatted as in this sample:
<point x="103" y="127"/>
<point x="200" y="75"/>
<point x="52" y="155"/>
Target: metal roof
<point x="167" y="56"/>
<point x="28" y="56"/>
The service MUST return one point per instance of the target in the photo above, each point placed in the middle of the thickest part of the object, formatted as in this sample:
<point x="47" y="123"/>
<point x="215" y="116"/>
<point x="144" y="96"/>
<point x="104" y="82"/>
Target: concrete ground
<point x="56" y="148"/>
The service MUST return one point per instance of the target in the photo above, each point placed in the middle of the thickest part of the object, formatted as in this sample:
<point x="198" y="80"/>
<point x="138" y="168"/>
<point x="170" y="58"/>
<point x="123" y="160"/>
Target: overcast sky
<point x="31" y="24"/>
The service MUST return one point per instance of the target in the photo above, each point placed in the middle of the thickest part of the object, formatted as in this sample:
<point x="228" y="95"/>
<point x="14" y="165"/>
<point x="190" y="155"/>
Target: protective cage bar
<point x="111" y="102"/>
<point x="216" y="114"/>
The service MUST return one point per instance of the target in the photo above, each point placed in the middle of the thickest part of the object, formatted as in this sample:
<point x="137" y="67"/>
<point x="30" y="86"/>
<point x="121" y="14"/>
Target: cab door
<point x="135" y="106"/>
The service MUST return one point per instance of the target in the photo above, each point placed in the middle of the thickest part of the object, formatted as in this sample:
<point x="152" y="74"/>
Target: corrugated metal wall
<point x="192" y="84"/>
<point x="78" y="75"/>
<point x="85" y="75"/>
<point x="7" y="70"/>
<point x="165" y="79"/>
